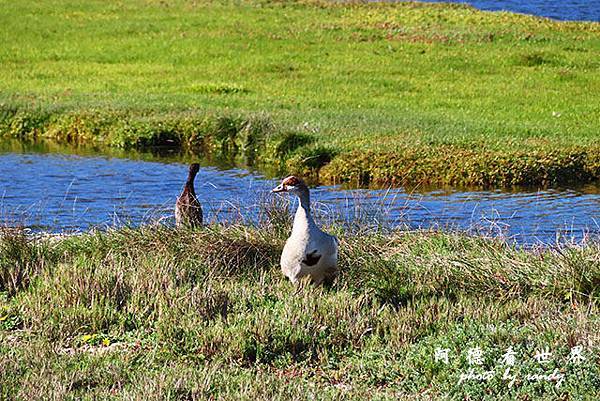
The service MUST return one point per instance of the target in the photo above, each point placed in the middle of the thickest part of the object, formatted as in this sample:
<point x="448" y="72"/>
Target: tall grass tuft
<point x="21" y="259"/>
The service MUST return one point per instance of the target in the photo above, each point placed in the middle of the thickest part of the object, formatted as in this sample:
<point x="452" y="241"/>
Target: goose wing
<point x="324" y="250"/>
<point x="311" y="258"/>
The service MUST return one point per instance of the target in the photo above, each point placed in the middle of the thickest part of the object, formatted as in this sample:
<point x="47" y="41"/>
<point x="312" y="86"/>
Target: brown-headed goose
<point x="188" y="211"/>
<point x="308" y="251"/>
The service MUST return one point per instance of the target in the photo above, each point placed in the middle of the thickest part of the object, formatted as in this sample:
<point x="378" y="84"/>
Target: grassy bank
<point x="418" y="93"/>
<point x="157" y="313"/>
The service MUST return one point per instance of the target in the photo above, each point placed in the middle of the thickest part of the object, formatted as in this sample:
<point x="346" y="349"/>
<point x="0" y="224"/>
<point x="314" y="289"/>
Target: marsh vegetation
<point x="177" y="314"/>
<point x="403" y="93"/>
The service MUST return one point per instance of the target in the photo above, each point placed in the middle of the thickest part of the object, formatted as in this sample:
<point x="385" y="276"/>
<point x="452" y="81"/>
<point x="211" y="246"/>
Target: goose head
<point x="194" y="168"/>
<point x="293" y="185"/>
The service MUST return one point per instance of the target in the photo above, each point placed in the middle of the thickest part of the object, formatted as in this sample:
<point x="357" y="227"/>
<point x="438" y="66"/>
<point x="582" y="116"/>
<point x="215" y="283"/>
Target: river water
<point x="567" y="10"/>
<point x="70" y="193"/>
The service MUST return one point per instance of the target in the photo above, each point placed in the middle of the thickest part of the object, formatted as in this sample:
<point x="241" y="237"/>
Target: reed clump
<point x="460" y="165"/>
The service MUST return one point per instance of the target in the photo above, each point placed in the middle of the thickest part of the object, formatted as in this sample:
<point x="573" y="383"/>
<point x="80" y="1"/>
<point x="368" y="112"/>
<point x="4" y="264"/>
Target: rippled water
<point x="572" y="10"/>
<point x="56" y="192"/>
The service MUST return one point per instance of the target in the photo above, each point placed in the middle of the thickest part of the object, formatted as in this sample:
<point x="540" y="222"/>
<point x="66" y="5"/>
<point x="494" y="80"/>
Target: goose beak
<point x="279" y="188"/>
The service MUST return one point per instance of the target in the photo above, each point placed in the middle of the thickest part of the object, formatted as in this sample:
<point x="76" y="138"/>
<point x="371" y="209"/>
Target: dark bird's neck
<point x="189" y="184"/>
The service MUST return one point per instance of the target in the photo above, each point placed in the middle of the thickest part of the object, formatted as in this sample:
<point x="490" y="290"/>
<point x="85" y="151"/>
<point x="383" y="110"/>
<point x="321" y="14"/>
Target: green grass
<point x="442" y="90"/>
<point x="157" y="313"/>
<point x="361" y="93"/>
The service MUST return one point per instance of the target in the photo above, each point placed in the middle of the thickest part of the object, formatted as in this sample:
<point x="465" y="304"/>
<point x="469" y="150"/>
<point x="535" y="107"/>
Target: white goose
<point x="308" y="251"/>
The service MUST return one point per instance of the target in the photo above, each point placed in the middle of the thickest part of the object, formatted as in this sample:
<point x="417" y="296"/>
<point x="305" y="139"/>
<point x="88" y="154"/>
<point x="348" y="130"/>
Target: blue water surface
<point x="566" y="10"/>
<point x="72" y="193"/>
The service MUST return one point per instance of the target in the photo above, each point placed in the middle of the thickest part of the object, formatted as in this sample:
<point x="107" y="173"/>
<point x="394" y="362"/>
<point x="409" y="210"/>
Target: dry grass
<point x="178" y="314"/>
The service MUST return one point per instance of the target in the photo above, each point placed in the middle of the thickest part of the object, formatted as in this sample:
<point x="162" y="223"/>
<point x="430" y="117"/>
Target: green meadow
<point x="376" y="94"/>
<point x="356" y="93"/>
<point x="162" y="314"/>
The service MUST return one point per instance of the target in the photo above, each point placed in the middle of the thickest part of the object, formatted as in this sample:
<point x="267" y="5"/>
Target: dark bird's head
<point x="194" y="168"/>
<point x="291" y="184"/>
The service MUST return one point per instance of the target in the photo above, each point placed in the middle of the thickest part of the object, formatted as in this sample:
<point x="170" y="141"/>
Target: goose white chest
<point x="309" y="251"/>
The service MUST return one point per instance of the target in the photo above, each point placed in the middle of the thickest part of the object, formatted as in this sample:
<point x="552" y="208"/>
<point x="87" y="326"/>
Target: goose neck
<point x="303" y="218"/>
<point x="304" y="198"/>
<point x="189" y="184"/>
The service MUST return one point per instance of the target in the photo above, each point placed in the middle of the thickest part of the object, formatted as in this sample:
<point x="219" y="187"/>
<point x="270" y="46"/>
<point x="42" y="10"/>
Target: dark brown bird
<point x="188" y="211"/>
